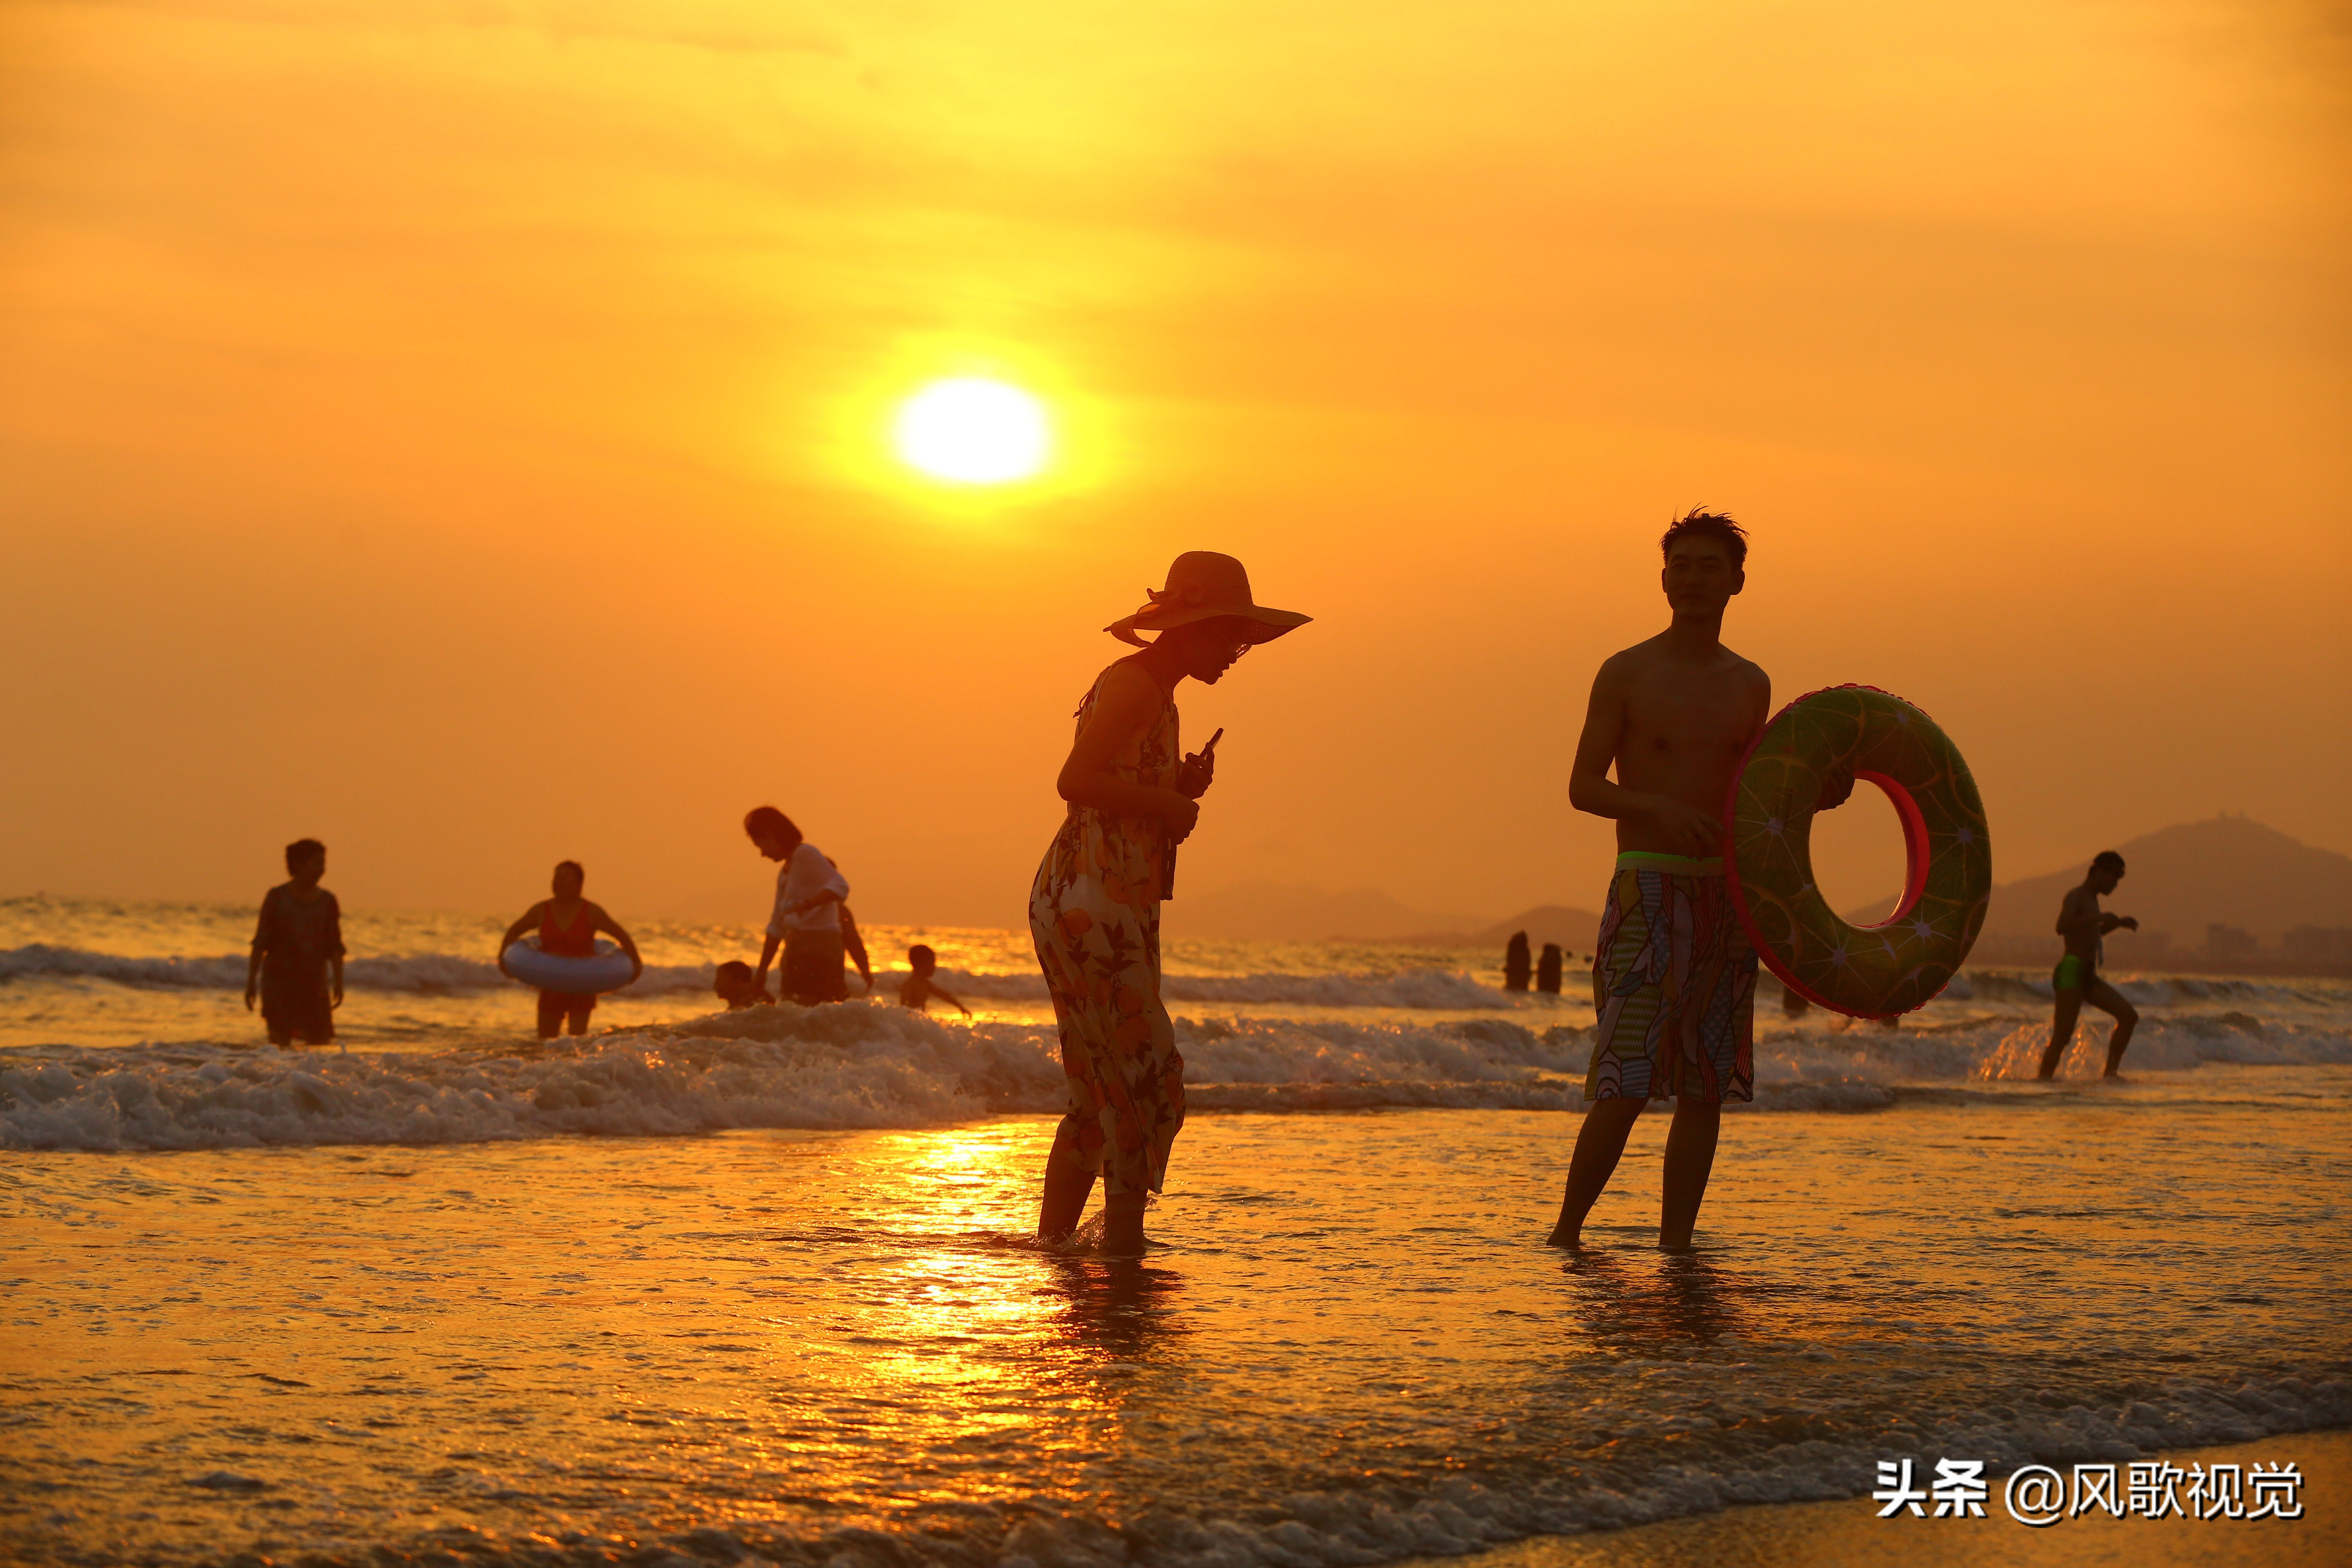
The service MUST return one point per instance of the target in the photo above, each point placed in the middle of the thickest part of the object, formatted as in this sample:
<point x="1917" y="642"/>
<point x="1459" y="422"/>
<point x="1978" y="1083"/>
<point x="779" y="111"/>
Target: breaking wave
<point x="447" y="975"/>
<point x="860" y="1065"/>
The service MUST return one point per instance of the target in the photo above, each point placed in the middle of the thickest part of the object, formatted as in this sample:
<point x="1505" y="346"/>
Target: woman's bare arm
<point x="1129" y="701"/>
<point x="612" y="928"/>
<point x="515" y="933"/>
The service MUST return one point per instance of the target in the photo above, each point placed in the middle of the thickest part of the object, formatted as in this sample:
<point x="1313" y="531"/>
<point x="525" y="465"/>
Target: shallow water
<point x="1349" y="1346"/>
<point x="759" y="1281"/>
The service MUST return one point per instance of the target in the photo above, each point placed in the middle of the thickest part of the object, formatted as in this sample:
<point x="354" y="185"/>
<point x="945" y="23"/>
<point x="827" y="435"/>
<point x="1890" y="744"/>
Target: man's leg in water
<point x="1690" y="1160"/>
<point x="1599" y="1144"/>
<point x="2106" y="998"/>
<point x="2062" y="1032"/>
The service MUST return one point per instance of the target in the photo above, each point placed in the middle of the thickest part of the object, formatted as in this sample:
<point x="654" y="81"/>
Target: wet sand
<point x="1785" y="1535"/>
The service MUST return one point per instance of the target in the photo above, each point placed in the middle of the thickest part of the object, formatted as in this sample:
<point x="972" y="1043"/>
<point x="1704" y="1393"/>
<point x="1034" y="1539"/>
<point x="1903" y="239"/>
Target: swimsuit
<point x="2073" y="974"/>
<point x="578" y="940"/>
<point x="1094" y="913"/>
<point x="1673" y="985"/>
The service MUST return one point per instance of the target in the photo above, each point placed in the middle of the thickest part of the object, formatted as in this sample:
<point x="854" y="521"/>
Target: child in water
<point x="296" y="970"/>
<point x="568" y="925"/>
<point x="737" y="986"/>
<point x="919" y="988"/>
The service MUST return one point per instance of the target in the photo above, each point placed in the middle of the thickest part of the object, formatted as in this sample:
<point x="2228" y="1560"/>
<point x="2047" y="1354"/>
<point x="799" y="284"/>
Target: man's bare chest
<point x="1697" y="718"/>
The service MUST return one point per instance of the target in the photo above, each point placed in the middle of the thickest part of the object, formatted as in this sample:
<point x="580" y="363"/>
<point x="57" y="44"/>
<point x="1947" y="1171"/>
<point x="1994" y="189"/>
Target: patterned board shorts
<point x="1673" y="986"/>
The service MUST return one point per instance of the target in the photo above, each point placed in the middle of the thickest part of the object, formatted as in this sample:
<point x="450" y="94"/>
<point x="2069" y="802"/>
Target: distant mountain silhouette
<point x="1276" y="911"/>
<point x="2226" y="871"/>
<point x="1573" y="928"/>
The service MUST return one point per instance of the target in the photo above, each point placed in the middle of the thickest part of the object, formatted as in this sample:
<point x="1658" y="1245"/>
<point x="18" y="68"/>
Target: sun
<point x="972" y="430"/>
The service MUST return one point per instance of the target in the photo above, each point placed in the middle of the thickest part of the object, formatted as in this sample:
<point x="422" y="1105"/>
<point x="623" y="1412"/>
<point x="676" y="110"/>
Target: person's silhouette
<point x="810" y="893"/>
<point x="2076" y="980"/>
<point x="568" y="925"/>
<point x="1516" y="966"/>
<point x="1673" y="984"/>
<point x="1093" y="905"/>
<point x="296" y="968"/>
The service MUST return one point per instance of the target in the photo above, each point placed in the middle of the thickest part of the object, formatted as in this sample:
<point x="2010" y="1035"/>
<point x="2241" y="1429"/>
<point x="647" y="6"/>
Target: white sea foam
<point x="449" y="975"/>
<point x="859" y="1065"/>
<point x="1715" y="1471"/>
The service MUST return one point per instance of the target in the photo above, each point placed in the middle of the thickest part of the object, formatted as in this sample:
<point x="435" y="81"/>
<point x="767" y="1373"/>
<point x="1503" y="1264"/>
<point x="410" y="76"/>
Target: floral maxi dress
<point x="1094" y="913"/>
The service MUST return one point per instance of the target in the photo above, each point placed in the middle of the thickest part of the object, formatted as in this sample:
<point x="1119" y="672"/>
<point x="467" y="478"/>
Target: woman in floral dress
<point x="1094" y="910"/>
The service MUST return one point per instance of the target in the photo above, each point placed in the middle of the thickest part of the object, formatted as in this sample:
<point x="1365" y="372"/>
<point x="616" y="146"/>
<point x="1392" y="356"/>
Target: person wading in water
<point x="2076" y="980"/>
<point x="1673" y="978"/>
<point x="296" y="970"/>
<point x="568" y="925"/>
<point x="1094" y="909"/>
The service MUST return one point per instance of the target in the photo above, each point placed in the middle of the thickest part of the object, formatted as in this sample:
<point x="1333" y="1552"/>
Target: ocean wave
<point x="449" y="975"/>
<point x="1716" y="1465"/>
<point x="432" y="973"/>
<point x="1746" y="1450"/>
<point x="848" y="1065"/>
<point x="857" y="1065"/>
<point x="2168" y="1044"/>
<point x="2141" y="990"/>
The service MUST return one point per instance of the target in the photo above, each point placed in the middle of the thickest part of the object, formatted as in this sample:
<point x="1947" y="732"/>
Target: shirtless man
<point x="2076" y="979"/>
<point x="1675" y="1013"/>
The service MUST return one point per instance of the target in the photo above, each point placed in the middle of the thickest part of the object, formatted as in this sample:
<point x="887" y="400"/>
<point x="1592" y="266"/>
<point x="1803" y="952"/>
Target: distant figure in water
<point x="918" y="989"/>
<point x="296" y="969"/>
<point x="737" y="986"/>
<point x="1547" y="969"/>
<point x="1515" y="963"/>
<point x="809" y="894"/>
<point x="1673" y="982"/>
<point x="1793" y="1003"/>
<point x="568" y="925"/>
<point x="2076" y="979"/>
<point x="1094" y="908"/>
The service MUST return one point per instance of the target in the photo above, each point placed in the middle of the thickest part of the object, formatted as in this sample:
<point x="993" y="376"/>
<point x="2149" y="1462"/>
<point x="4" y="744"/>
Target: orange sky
<point x="451" y="429"/>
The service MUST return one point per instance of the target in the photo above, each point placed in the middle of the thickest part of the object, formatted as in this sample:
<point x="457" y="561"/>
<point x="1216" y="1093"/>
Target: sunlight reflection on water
<point x="1349" y="1345"/>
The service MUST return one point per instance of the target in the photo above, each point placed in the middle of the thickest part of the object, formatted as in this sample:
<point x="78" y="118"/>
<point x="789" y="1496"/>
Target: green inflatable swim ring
<point x="1862" y="732"/>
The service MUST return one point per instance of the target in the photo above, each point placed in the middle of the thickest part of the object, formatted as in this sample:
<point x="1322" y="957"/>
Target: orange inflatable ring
<point x="1861" y="733"/>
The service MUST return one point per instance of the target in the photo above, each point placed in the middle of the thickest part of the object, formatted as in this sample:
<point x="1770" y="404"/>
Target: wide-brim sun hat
<point x="1201" y="586"/>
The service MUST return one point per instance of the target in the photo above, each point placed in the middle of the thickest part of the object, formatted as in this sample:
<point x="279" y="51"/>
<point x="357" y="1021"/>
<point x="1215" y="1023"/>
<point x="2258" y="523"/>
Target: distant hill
<point x="2226" y="871"/>
<point x="1573" y="928"/>
<point x="1275" y="912"/>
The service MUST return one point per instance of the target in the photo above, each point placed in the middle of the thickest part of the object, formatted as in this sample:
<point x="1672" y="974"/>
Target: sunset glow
<point x="974" y="431"/>
<point x="648" y="912"/>
<point x="478" y="339"/>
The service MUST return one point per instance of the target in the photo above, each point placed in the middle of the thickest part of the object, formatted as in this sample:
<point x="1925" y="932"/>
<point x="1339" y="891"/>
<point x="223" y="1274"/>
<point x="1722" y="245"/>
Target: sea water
<point x="714" y="1288"/>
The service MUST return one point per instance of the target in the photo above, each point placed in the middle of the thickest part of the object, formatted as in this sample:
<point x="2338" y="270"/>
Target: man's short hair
<point x="1700" y="523"/>
<point x="574" y="867"/>
<point x="767" y="819"/>
<point x="302" y="849"/>
<point x="2107" y="860"/>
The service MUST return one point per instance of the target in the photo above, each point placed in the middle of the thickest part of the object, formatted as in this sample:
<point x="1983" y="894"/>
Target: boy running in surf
<point x="1673" y="982"/>
<point x="2076" y="981"/>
